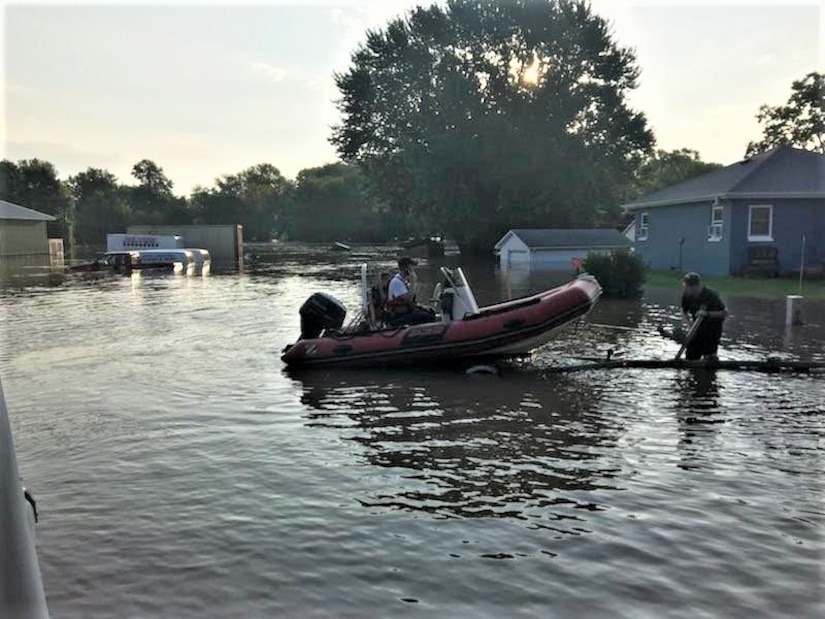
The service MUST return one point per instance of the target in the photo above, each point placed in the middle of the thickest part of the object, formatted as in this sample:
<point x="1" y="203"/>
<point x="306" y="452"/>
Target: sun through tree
<point x="479" y="116"/>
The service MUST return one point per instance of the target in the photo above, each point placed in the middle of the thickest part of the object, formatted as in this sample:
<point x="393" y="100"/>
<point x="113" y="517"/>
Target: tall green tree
<point x="255" y="197"/>
<point x="331" y="203"/>
<point x="800" y="122"/>
<point x="9" y="180"/>
<point x="481" y="115"/>
<point x="265" y="192"/>
<point x="151" y="201"/>
<point x="33" y="183"/>
<point x="100" y="207"/>
<point x="209" y="206"/>
<point x="150" y="175"/>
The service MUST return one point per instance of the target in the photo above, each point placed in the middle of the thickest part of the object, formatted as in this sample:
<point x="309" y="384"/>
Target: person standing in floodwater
<point x="702" y="303"/>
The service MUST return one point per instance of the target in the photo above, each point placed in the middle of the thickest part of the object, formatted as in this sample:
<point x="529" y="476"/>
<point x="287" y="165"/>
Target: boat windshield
<point x="458" y="282"/>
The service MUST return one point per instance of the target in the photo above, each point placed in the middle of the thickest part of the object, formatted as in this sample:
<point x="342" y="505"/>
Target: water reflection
<point x="119" y="385"/>
<point x="756" y="327"/>
<point x="698" y="413"/>
<point x="521" y="280"/>
<point x="473" y="447"/>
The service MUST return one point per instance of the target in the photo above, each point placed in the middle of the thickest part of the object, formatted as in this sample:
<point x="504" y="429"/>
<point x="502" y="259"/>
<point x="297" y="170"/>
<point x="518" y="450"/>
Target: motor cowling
<point x="319" y="312"/>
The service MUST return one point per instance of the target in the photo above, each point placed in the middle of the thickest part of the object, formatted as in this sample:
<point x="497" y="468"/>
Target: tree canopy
<point x="99" y="205"/>
<point x="478" y="116"/>
<point x="331" y="203"/>
<point x="150" y="176"/>
<point x="152" y="199"/>
<point x="34" y="181"/>
<point x="255" y="198"/>
<point x="800" y="122"/>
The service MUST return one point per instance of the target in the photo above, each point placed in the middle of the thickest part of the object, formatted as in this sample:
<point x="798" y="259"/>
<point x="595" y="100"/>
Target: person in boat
<point x="401" y="307"/>
<point x="702" y="303"/>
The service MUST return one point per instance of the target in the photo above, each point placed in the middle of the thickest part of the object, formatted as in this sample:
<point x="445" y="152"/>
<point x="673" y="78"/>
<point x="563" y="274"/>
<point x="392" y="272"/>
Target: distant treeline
<point x="321" y="204"/>
<point x="464" y="119"/>
<point x="328" y="203"/>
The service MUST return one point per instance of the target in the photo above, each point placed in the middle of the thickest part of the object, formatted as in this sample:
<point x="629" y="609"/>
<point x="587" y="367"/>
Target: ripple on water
<point x="182" y="473"/>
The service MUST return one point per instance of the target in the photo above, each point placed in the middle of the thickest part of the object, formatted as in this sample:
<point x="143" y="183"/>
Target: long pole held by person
<point x="694" y="328"/>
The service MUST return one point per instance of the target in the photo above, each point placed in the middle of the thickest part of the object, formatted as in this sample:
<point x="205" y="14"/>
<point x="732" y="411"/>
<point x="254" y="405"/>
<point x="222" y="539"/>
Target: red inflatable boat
<point x="462" y="331"/>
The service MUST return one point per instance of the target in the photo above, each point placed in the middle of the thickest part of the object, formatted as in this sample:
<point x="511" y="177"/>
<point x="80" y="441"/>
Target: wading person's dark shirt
<point x="706" y="339"/>
<point x="707" y="297"/>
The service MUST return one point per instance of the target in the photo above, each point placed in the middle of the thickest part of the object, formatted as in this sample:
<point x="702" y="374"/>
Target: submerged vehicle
<point x="122" y="262"/>
<point x="116" y="261"/>
<point x="459" y="330"/>
<point x="176" y="260"/>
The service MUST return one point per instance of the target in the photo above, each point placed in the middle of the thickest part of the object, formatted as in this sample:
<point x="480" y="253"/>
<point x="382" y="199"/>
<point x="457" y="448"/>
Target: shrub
<point x="621" y="273"/>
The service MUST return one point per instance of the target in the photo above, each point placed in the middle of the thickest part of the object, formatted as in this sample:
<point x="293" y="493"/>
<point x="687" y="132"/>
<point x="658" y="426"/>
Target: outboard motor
<point x="321" y="311"/>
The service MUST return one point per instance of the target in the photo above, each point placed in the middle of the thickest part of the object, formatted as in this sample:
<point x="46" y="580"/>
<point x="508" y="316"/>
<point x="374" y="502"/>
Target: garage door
<point x="517" y="256"/>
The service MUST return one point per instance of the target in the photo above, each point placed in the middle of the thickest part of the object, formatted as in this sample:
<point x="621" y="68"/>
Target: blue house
<point x="736" y="218"/>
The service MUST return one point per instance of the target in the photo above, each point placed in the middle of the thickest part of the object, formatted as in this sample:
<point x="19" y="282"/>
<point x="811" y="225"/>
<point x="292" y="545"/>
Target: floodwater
<point x="181" y="472"/>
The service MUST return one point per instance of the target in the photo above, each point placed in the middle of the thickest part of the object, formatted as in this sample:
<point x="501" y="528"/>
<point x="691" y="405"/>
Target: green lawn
<point x="767" y="288"/>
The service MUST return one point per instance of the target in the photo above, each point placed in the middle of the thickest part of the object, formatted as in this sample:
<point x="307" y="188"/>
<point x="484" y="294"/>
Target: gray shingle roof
<point x="15" y="211"/>
<point x="559" y="238"/>
<point x="781" y="172"/>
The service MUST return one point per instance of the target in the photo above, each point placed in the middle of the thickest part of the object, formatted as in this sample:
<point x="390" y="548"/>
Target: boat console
<point x="456" y="299"/>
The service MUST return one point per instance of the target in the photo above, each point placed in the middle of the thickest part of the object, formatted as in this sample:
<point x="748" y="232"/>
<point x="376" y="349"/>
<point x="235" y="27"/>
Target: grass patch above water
<point x="765" y="288"/>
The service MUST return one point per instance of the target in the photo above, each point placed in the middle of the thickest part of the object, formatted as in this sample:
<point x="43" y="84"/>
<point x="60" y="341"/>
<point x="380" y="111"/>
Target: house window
<point x="643" y="226"/>
<point x="717" y="217"/>
<point x="760" y="223"/>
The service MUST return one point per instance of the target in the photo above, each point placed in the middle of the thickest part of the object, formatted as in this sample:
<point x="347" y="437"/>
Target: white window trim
<point x="715" y="238"/>
<point x="760" y="237"/>
<point x="644" y="226"/>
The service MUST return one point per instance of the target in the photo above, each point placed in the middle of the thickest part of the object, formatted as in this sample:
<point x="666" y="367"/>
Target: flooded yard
<point x="181" y="471"/>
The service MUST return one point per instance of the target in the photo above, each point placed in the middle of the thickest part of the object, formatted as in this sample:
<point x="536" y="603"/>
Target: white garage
<point x="556" y="249"/>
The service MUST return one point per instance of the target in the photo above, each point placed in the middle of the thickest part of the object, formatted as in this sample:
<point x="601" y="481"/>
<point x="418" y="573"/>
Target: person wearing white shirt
<point x="401" y="297"/>
<point x="399" y="288"/>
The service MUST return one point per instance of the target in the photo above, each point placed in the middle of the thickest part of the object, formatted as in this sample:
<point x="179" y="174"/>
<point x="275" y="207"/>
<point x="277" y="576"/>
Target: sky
<point x="210" y="90"/>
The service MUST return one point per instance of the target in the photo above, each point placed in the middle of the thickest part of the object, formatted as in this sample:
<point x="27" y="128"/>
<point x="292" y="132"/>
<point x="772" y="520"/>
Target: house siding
<point x="24" y="239"/>
<point x="23" y="245"/>
<point x="668" y="224"/>
<point x="791" y="219"/>
<point x="514" y="251"/>
<point x="562" y="259"/>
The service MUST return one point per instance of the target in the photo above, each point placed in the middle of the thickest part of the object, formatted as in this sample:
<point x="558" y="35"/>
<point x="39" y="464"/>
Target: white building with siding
<point x="24" y="240"/>
<point x="556" y="248"/>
